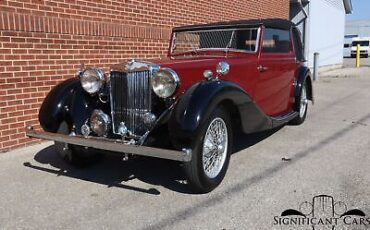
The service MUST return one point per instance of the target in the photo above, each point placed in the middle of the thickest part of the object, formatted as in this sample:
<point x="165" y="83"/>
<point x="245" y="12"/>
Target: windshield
<point x="191" y="42"/>
<point x="362" y="43"/>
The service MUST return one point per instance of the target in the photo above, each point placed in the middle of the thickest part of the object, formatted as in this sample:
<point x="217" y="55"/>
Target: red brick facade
<point x="43" y="42"/>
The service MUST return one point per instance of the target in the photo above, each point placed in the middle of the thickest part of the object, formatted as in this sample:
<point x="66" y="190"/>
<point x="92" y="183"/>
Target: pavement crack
<point x="359" y="123"/>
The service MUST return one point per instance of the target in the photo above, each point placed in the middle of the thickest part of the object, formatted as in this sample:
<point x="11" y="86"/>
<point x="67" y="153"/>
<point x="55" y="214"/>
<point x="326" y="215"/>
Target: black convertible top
<point x="276" y="23"/>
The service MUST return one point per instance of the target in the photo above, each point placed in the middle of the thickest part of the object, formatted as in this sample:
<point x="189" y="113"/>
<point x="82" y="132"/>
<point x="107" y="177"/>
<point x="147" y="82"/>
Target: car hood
<point x="190" y="70"/>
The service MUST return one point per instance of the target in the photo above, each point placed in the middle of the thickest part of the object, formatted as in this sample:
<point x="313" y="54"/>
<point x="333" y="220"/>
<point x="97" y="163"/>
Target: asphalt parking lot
<point x="269" y="173"/>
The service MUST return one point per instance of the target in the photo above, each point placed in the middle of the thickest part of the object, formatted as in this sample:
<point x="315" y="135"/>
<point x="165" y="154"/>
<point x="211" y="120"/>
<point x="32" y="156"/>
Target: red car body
<point x="272" y="89"/>
<point x="247" y="75"/>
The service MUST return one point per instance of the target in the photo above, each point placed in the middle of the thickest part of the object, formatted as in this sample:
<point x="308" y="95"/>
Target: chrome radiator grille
<point x="131" y="100"/>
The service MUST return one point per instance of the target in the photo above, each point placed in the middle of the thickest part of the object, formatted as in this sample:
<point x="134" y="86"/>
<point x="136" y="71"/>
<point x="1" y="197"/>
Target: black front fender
<point x="195" y="106"/>
<point x="53" y="110"/>
<point x="68" y="102"/>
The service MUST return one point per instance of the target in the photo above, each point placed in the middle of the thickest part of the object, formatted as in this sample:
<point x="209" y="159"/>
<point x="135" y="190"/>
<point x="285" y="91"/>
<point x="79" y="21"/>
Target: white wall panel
<point x="326" y="36"/>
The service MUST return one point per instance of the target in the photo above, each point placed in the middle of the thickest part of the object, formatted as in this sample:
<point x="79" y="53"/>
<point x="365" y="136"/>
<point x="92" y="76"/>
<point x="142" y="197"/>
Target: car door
<point x="276" y="69"/>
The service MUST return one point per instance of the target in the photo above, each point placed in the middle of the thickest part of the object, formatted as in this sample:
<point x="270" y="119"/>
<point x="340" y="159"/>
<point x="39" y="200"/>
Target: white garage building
<point x="322" y="23"/>
<point x="358" y="28"/>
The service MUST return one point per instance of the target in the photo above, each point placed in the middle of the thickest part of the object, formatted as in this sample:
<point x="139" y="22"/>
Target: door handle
<point x="262" y="68"/>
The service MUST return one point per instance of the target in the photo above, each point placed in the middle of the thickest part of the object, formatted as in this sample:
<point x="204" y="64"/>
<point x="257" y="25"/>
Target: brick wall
<point x="43" y="43"/>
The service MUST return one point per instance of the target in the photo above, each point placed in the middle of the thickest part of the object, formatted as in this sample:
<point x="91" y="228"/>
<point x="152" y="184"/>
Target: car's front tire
<point x="303" y="107"/>
<point x="75" y="155"/>
<point x="211" y="153"/>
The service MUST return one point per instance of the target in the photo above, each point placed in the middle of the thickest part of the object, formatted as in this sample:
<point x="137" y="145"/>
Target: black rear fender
<point x="303" y="77"/>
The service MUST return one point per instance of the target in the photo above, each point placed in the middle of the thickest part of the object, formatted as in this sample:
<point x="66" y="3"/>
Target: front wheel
<point x="211" y="153"/>
<point x="75" y="155"/>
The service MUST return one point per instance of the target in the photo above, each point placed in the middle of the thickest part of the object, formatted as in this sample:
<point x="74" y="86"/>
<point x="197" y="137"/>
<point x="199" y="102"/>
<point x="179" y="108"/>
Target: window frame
<point x="297" y="43"/>
<point x="258" y="40"/>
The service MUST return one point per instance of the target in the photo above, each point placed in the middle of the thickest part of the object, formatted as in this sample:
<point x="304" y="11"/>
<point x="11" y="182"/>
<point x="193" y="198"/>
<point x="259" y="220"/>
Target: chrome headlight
<point x="165" y="82"/>
<point x="92" y="80"/>
<point x="100" y="123"/>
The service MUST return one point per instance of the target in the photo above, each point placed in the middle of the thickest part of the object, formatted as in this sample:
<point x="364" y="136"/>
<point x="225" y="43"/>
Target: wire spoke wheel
<point x="304" y="102"/>
<point x="215" y="147"/>
<point x="301" y="104"/>
<point x="212" y="146"/>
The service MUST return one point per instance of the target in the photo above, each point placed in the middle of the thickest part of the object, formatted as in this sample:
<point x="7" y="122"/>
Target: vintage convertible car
<point x="217" y="78"/>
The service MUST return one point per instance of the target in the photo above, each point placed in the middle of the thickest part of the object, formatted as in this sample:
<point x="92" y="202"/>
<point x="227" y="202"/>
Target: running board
<point x="278" y="121"/>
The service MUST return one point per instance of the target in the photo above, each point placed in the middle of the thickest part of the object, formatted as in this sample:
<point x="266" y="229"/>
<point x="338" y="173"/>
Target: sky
<point x="361" y="10"/>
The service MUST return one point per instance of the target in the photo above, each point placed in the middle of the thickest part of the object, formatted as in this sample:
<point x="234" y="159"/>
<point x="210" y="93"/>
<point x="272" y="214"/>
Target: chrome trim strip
<point x="134" y="66"/>
<point x="112" y="145"/>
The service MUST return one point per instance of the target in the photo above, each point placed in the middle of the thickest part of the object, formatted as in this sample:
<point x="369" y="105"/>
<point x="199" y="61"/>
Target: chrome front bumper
<point x="119" y="146"/>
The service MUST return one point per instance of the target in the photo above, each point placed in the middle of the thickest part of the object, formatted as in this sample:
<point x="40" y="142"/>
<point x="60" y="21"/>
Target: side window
<point x="276" y="41"/>
<point x="246" y="39"/>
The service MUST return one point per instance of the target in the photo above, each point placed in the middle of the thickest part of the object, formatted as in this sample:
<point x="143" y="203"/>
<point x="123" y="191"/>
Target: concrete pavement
<point x="349" y="69"/>
<point x="269" y="173"/>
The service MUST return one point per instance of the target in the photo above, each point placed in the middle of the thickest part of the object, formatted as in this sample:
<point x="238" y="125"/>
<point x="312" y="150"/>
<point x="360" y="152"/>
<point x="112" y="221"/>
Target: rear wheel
<point x="75" y="155"/>
<point x="303" y="106"/>
<point x="211" y="153"/>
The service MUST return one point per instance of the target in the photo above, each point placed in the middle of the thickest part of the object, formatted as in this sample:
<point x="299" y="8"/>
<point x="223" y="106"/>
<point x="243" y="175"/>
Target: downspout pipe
<point x="348" y="6"/>
<point x="303" y="11"/>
